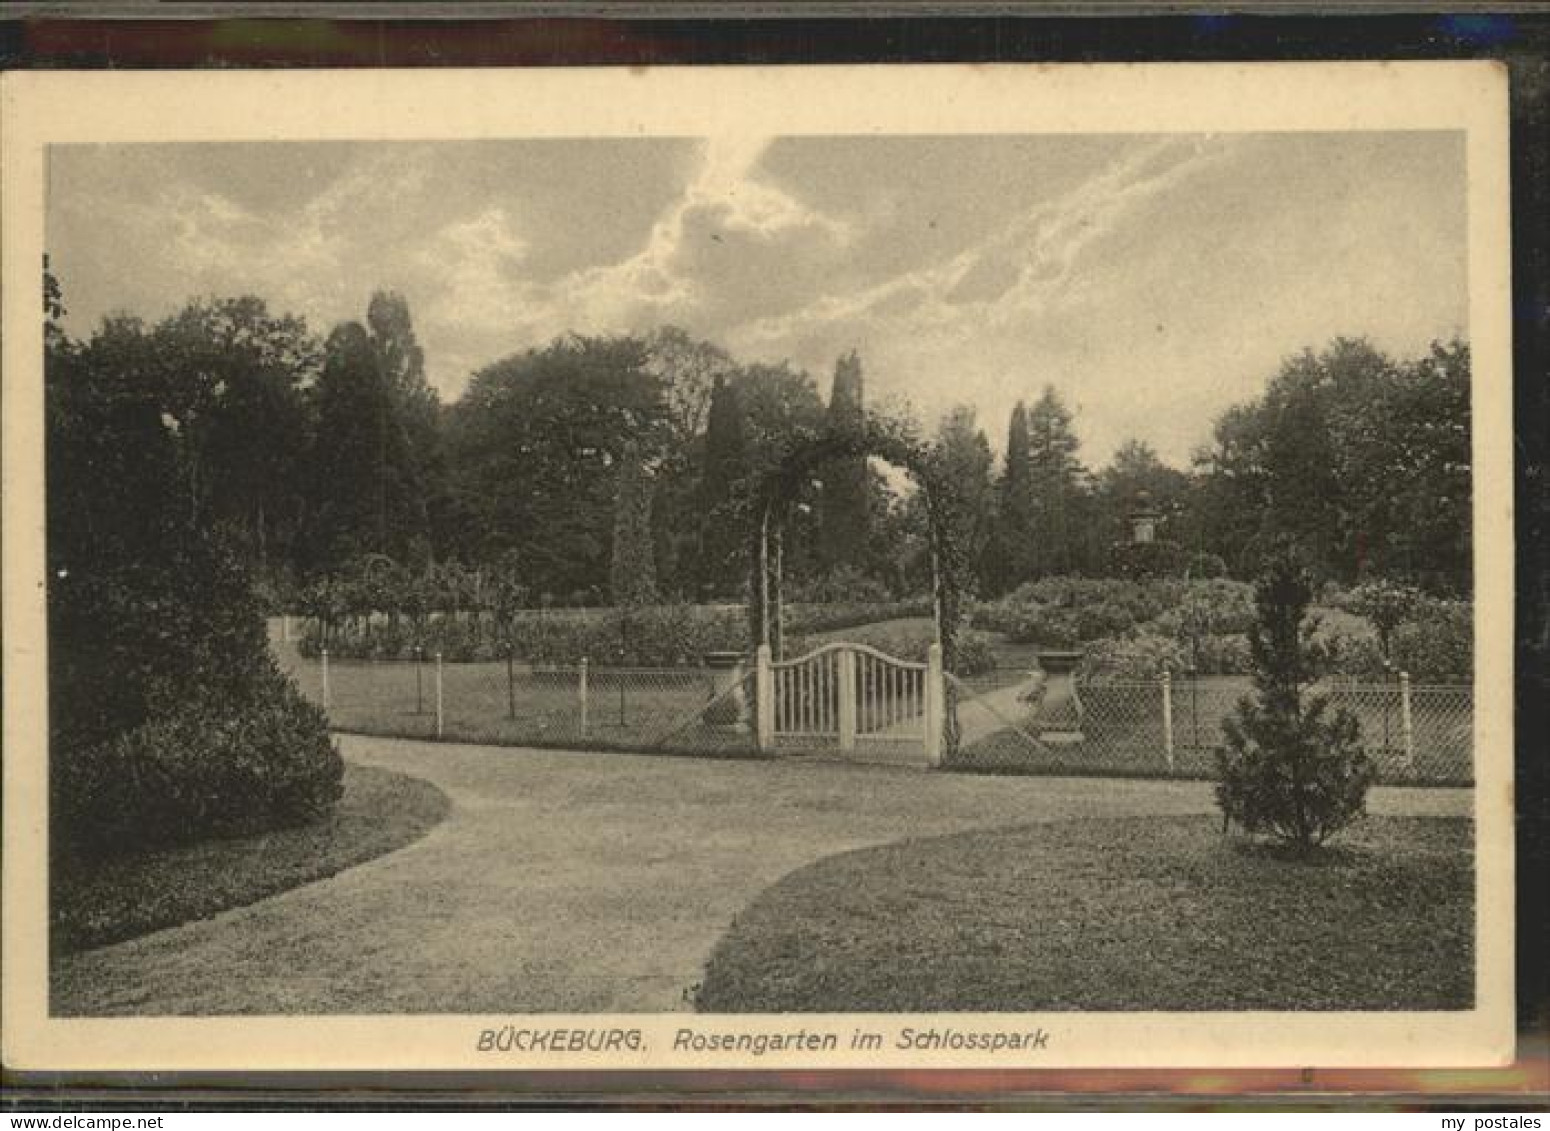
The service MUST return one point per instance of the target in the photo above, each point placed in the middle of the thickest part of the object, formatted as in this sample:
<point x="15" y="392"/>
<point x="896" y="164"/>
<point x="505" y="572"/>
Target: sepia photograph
<point x="892" y="591"/>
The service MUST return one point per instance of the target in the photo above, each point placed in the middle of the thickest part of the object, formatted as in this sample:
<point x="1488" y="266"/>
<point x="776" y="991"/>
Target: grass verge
<point x="104" y="901"/>
<point x="1125" y="914"/>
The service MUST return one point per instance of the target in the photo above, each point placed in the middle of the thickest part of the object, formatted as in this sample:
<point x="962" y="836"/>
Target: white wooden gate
<point x="842" y="695"/>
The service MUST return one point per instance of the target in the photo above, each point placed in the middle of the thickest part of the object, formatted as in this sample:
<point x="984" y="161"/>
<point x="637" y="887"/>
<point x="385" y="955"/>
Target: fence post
<point x="1167" y="705"/>
<point x="439" y="718"/>
<point x="325" y="679"/>
<point x="764" y="698"/>
<point x="581" y="693"/>
<point x="935" y="705"/>
<point x="847" y="719"/>
<point x="1406" y="721"/>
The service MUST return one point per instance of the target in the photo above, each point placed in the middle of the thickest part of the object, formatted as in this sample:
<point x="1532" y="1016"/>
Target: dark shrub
<point x="1439" y="644"/>
<point x="167" y="718"/>
<point x="976" y="655"/>
<point x="1355" y="655"/>
<point x="1139" y="657"/>
<point x="1436" y="646"/>
<point x="208" y="767"/>
<point x="1385" y="604"/>
<point x="1208" y="608"/>
<point x="1046" y="625"/>
<point x="1292" y="767"/>
<point x="1220" y="654"/>
<point x="1066" y="612"/>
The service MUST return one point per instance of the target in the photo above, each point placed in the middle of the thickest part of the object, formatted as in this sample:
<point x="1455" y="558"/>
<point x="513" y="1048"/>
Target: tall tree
<point x="964" y="458"/>
<point x="721" y="538"/>
<point x="1136" y="478"/>
<point x="53" y="308"/>
<point x="234" y="376"/>
<point x="409" y="463"/>
<point x="1017" y="507"/>
<point x="536" y="441"/>
<point x="1362" y="461"/>
<point x="348" y="513"/>
<point x="846" y="482"/>
<point x="1057" y="480"/>
<point x="1403" y="451"/>
<point x="632" y="572"/>
<point x="1233" y="494"/>
<point x="376" y="460"/>
<point x="780" y="407"/>
<point x="688" y="369"/>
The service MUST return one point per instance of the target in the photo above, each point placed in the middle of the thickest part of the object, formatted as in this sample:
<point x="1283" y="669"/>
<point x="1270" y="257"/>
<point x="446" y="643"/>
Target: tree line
<point x="602" y="470"/>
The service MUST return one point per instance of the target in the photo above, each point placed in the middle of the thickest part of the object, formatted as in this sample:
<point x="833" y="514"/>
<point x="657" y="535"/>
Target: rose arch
<point x="773" y="493"/>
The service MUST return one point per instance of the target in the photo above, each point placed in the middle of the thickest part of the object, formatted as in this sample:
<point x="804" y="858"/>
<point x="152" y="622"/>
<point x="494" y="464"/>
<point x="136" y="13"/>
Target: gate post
<point x="936" y="705"/>
<point x="440" y="718"/>
<point x="847" y="720"/>
<point x="764" y="699"/>
<point x="1406" y="721"/>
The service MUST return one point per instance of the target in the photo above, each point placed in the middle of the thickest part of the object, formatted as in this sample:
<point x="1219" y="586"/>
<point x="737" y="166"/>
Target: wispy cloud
<point x="1027" y="267"/>
<point x="1153" y="279"/>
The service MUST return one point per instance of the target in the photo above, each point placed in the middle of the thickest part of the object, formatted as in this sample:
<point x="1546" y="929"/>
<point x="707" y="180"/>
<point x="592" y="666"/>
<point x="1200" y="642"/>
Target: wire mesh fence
<point x="1007" y="721"/>
<point x="1172" y="727"/>
<point x="693" y="710"/>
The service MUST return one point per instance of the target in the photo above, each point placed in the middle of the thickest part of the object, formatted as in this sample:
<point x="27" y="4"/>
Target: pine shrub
<point x="1292" y="767"/>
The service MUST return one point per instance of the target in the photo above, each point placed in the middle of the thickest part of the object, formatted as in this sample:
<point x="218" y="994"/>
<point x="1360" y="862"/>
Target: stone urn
<point x="1061" y="717"/>
<point x="728" y="706"/>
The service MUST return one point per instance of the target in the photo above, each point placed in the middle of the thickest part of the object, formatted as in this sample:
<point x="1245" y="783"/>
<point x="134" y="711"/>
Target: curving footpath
<point x="572" y="882"/>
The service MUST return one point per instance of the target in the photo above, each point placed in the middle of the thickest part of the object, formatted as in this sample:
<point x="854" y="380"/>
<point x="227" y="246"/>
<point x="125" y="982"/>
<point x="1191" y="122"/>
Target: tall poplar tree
<point x="1016" y="507"/>
<point x="633" y="574"/>
<point x="1057" y="480"/>
<point x="965" y="459"/>
<point x="410" y="481"/>
<point x="846" y="482"/>
<point x="721" y="539"/>
<point x="346" y="453"/>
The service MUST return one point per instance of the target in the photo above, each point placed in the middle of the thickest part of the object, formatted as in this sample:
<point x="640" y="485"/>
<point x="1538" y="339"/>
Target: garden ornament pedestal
<point x="728" y="706"/>
<point x="1060" y="716"/>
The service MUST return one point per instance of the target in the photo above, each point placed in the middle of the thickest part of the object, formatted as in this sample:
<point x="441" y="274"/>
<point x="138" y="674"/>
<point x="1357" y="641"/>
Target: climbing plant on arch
<point x="773" y="493"/>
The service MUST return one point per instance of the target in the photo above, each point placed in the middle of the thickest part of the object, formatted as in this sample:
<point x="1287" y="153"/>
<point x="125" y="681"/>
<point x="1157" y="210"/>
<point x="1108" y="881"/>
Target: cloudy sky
<point x="1153" y="280"/>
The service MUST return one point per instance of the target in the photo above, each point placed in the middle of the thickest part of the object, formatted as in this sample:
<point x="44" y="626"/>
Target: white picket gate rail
<point x="845" y="693"/>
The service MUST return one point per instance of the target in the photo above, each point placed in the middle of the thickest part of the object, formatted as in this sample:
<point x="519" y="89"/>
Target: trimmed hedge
<point x="657" y="636"/>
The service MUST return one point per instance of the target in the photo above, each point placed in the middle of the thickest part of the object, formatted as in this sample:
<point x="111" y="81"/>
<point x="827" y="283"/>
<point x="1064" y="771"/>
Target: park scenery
<point x="452" y="610"/>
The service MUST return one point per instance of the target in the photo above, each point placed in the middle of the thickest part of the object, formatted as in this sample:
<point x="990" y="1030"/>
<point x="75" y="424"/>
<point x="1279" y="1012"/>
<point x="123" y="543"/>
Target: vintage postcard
<point x="880" y="567"/>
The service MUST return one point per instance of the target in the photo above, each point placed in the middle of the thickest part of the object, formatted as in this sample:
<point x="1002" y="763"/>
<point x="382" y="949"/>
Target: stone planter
<point x="1060" y="721"/>
<point x="728" y="708"/>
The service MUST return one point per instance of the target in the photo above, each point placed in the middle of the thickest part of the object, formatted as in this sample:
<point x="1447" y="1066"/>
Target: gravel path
<point x="572" y="882"/>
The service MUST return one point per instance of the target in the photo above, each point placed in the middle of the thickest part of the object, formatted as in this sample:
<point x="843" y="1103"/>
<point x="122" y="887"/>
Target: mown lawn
<point x="1127" y="914"/>
<point x="111" y="900"/>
